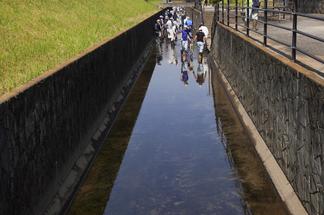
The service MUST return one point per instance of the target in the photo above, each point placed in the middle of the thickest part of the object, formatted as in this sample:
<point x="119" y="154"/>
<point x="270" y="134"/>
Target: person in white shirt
<point x="168" y="24"/>
<point x="204" y="29"/>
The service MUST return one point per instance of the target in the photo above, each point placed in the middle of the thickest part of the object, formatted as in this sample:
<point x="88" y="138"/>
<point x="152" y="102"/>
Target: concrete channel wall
<point x="43" y="124"/>
<point x="286" y="104"/>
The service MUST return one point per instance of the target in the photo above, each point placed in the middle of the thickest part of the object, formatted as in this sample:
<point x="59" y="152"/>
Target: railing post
<point x="223" y="11"/>
<point x="284" y="9"/>
<point x="236" y="13"/>
<point x="228" y="11"/>
<point x="294" y="33"/>
<point x="202" y="15"/>
<point x="218" y="11"/>
<point x="265" y="26"/>
<point x="247" y="18"/>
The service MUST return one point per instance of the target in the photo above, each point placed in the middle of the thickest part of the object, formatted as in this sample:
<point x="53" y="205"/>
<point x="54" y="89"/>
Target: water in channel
<point x="176" y="148"/>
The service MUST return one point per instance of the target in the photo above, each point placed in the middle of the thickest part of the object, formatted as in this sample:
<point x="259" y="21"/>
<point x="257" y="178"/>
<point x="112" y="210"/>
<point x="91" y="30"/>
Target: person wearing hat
<point x="188" y="22"/>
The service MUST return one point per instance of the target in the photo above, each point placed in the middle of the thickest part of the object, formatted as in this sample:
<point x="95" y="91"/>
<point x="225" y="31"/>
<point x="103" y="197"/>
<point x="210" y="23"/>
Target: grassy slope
<point x="37" y="35"/>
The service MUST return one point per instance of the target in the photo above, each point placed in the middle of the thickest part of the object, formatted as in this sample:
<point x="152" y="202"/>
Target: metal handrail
<point x="279" y="10"/>
<point x="274" y="25"/>
<point x="310" y="36"/>
<point x="278" y="41"/>
<point x="310" y="55"/>
<point x="272" y="10"/>
<point x="310" y="16"/>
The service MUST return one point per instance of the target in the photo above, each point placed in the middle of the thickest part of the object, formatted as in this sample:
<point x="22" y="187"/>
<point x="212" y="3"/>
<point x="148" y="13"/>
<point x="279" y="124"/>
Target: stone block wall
<point x="287" y="108"/>
<point x="41" y="128"/>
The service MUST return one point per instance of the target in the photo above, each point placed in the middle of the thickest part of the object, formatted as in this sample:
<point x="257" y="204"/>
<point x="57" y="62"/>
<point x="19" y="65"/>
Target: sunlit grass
<point x="37" y="35"/>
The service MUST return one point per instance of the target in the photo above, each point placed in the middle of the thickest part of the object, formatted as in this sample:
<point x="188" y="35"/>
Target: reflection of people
<point x="185" y="39"/>
<point x="200" y="38"/>
<point x="157" y="28"/>
<point x="172" y="55"/>
<point x="190" y="55"/>
<point x="201" y="74"/>
<point x="205" y="68"/>
<point x="158" y="52"/>
<point x="184" y="74"/>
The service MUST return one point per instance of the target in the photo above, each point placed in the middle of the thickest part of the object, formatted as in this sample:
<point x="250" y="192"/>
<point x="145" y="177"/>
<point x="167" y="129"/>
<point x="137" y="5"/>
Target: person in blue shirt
<point x="184" y="39"/>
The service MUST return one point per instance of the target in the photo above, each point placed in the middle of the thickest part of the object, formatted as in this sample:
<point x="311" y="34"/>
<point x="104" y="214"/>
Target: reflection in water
<point x="258" y="195"/>
<point x="92" y="196"/>
<point x="179" y="159"/>
<point x="173" y="59"/>
<point x="158" y="51"/>
<point x="173" y="163"/>
<point x="202" y="71"/>
<point x="184" y="73"/>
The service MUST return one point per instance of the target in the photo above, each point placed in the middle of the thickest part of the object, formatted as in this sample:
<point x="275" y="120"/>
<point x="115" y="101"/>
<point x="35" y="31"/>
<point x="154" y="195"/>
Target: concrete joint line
<point x="279" y="179"/>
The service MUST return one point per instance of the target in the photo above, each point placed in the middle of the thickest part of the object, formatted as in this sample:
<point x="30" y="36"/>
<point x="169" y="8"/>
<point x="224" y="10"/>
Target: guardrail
<point x="220" y="12"/>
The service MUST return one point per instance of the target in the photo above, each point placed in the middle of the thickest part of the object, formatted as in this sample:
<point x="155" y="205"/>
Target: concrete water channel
<point x="177" y="147"/>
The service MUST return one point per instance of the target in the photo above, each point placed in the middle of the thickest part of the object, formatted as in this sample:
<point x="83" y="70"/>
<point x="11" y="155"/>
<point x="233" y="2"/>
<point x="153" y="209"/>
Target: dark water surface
<point x="175" y="162"/>
<point x="178" y="159"/>
<point x="177" y="148"/>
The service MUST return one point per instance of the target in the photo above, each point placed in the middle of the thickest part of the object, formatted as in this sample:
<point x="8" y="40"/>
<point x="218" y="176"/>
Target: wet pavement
<point x="177" y="148"/>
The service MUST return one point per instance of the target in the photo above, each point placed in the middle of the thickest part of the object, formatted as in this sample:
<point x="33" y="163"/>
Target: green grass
<point x="37" y="35"/>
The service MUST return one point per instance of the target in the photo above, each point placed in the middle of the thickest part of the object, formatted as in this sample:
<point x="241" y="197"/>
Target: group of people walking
<point x="169" y="24"/>
<point x="176" y="27"/>
<point x="175" y="22"/>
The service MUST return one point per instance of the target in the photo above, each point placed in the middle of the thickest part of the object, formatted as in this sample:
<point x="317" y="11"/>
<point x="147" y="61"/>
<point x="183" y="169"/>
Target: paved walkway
<point x="309" y="45"/>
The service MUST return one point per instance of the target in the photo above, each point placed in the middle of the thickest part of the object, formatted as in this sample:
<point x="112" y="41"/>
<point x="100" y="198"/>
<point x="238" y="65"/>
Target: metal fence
<point x="231" y="11"/>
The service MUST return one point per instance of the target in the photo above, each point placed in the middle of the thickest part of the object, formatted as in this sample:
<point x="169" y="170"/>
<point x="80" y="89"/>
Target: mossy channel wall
<point x="43" y="124"/>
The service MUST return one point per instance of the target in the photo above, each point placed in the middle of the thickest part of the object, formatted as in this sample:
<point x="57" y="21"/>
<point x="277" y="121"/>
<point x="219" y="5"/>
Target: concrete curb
<point x="279" y="179"/>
